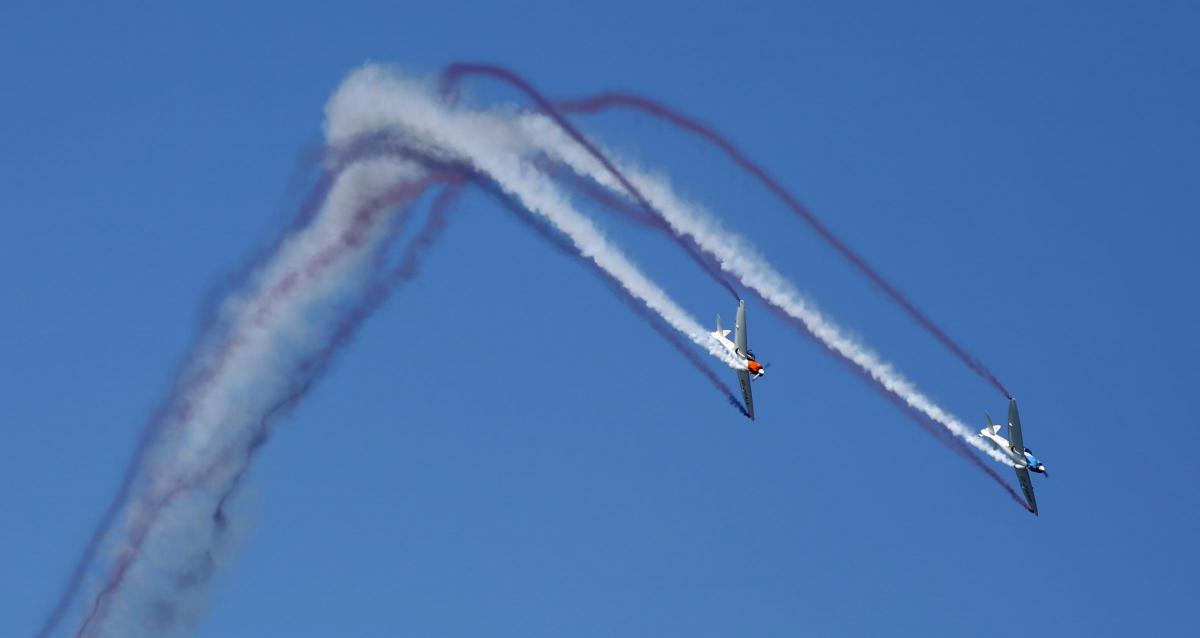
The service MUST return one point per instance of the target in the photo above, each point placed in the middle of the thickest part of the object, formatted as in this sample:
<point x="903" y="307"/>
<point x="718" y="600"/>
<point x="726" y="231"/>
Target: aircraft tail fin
<point x="720" y="333"/>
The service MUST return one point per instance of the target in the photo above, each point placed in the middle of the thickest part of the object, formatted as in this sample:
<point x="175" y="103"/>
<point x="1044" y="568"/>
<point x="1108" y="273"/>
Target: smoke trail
<point x="372" y="99"/>
<point x="307" y="372"/>
<point x="450" y="77"/>
<point x="208" y="325"/>
<point x="606" y="101"/>
<point x="312" y="368"/>
<point x="237" y="366"/>
<point x="738" y="257"/>
<point x="541" y="227"/>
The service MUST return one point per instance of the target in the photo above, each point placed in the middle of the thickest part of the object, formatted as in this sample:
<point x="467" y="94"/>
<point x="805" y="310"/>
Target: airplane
<point x="739" y="350"/>
<point x="1016" y="451"/>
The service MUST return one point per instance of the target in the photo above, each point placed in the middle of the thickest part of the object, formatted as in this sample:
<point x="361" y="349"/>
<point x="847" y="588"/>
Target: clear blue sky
<point x="1027" y="173"/>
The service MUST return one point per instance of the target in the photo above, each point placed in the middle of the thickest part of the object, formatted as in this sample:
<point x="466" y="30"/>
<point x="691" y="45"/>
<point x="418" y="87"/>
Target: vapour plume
<point x="739" y="257"/>
<point x="374" y="99"/>
<point x="605" y="101"/>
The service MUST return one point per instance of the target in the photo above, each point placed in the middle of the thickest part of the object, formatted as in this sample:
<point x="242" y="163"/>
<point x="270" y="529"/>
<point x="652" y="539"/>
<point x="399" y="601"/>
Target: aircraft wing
<point x="739" y="334"/>
<point x="744" y="379"/>
<point x="1027" y="488"/>
<point x="1018" y="444"/>
<point x="1014" y="433"/>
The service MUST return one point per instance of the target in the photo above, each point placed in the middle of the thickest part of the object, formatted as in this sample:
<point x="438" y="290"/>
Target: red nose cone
<point x="754" y="366"/>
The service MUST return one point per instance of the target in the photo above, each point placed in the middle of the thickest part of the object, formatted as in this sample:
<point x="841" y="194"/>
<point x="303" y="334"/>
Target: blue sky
<point x="1027" y="174"/>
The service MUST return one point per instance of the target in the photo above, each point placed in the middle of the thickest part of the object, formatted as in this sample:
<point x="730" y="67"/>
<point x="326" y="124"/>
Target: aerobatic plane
<point x="1014" y="448"/>
<point x="739" y="350"/>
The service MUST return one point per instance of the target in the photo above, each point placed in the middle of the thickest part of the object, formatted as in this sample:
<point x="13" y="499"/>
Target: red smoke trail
<point x="450" y="77"/>
<point x="312" y="368"/>
<point x="605" y="101"/>
<point x="350" y="239"/>
<point x="599" y="194"/>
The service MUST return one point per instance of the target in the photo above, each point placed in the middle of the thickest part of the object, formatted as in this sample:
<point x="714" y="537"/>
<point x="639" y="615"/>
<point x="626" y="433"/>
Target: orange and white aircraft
<point x="741" y="352"/>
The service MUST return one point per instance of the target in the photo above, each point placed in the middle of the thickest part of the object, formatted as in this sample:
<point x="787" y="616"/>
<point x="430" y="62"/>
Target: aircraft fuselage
<point x="1023" y="458"/>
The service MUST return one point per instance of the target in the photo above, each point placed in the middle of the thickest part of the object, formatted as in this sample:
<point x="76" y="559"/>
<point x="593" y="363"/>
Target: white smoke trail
<point x="163" y="550"/>
<point x="738" y="257"/>
<point x="374" y="99"/>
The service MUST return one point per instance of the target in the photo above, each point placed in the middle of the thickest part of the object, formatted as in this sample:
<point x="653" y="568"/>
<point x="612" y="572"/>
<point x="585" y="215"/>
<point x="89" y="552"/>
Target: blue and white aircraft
<point x="1023" y="459"/>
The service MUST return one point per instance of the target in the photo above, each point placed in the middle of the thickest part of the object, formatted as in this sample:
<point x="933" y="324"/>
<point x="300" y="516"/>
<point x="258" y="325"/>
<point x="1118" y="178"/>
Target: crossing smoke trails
<point x="181" y="480"/>
<point x="937" y="430"/>
<point x="374" y="100"/>
<point x="606" y="101"/>
<point x="900" y="391"/>
<point x="732" y="253"/>
<point x="453" y="73"/>
<point x="387" y="146"/>
<point x="662" y="328"/>
<point x="301" y="299"/>
<point x="738" y="257"/>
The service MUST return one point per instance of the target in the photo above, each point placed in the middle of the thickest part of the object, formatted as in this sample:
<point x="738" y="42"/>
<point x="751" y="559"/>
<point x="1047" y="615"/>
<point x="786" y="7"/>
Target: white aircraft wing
<point x="744" y="379"/>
